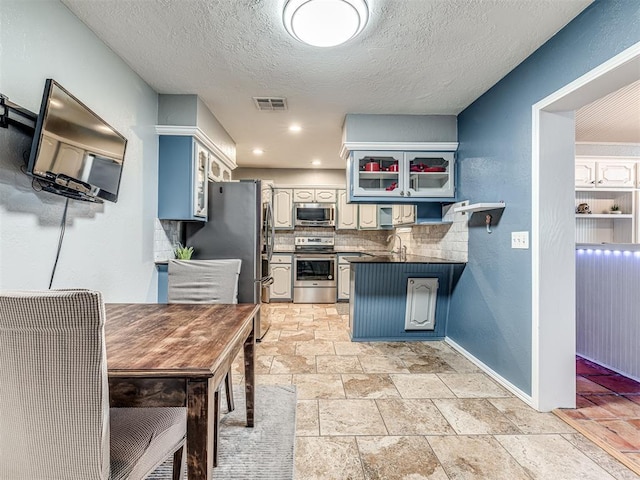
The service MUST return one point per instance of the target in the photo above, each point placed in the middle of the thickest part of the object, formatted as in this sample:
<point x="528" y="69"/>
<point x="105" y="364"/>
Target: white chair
<point x="55" y="420"/>
<point x="207" y="281"/>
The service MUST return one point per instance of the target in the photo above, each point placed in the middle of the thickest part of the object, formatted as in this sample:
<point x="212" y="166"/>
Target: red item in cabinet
<point x="391" y="187"/>
<point x="393" y="168"/>
<point x="434" y="169"/>
<point x="372" y="167"/>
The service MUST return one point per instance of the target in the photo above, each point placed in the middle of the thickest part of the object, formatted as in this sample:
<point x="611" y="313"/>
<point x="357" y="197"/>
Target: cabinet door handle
<point x="408" y="193"/>
<point x="599" y="181"/>
<point x="592" y="181"/>
<point x="402" y="194"/>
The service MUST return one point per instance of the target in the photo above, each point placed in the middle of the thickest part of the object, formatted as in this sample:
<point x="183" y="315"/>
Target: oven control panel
<point x="326" y="242"/>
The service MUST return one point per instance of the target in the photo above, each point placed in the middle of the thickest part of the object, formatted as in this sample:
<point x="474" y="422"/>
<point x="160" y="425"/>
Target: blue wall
<point x="491" y="304"/>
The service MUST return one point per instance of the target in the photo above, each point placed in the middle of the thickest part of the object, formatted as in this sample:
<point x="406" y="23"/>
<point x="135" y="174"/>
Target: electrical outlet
<point x="520" y="240"/>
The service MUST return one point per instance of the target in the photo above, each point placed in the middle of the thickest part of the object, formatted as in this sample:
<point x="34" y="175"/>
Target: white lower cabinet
<point x="422" y="294"/>
<point x="282" y="273"/>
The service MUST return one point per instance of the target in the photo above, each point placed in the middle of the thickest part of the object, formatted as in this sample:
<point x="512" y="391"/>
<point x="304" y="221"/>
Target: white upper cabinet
<point x="585" y="174"/>
<point x="616" y="174"/>
<point x="403" y="214"/>
<point x="267" y="191"/>
<point x="347" y="213"/>
<point x="368" y="216"/>
<point x="283" y="208"/>
<point x="593" y="173"/>
<point x="314" y="195"/>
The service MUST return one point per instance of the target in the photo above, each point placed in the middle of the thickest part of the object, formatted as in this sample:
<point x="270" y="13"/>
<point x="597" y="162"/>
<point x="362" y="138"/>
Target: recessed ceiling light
<point x="325" y="23"/>
<point x="258" y="151"/>
<point x="295" y="128"/>
<point x="316" y="162"/>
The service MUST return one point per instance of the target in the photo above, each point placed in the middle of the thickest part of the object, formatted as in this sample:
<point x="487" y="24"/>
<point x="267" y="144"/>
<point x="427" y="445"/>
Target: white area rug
<point x="264" y="452"/>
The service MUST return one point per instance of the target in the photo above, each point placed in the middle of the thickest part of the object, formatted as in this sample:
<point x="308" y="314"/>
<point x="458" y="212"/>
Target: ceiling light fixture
<point x="316" y="162"/>
<point x="258" y="151"/>
<point x="325" y="23"/>
<point x="295" y="128"/>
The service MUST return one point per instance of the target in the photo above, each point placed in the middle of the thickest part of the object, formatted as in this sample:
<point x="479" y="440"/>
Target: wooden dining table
<point x="168" y="355"/>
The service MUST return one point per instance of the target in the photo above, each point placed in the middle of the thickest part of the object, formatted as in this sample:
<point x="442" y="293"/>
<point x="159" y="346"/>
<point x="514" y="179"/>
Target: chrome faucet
<point x="402" y="250"/>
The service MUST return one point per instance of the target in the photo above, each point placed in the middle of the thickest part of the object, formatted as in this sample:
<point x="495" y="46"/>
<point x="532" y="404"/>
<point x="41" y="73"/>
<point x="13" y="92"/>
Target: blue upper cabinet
<point x="401" y="177"/>
<point x="183" y="169"/>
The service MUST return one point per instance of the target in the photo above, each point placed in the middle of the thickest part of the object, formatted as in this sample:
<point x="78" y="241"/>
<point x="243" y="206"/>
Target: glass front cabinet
<point x="407" y="175"/>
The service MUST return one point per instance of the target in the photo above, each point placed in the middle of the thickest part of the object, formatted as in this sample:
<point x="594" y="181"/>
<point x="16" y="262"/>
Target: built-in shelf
<point x="612" y="216"/>
<point x="432" y="222"/>
<point x="479" y="207"/>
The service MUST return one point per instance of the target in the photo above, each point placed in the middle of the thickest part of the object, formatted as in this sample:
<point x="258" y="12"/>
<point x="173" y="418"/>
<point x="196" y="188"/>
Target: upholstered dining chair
<point x="55" y="420"/>
<point x="207" y="281"/>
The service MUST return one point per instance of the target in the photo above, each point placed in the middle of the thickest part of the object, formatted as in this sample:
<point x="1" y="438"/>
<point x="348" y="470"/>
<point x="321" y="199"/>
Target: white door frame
<point x="553" y="228"/>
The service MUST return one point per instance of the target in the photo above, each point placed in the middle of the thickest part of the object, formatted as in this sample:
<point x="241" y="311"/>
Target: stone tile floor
<point x="409" y="410"/>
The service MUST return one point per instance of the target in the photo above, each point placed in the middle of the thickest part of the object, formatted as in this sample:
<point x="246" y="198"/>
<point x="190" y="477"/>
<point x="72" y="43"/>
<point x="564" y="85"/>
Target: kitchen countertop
<point x="394" y="258"/>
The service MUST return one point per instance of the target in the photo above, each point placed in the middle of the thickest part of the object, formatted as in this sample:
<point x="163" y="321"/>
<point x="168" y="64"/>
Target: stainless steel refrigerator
<point x="238" y="226"/>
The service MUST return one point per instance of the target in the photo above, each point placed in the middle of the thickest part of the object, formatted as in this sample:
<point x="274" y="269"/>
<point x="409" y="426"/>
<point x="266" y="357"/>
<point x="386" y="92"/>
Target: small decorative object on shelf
<point x="583" y="208"/>
<point x="615" y="209"/>
<point x="183" y="253"/>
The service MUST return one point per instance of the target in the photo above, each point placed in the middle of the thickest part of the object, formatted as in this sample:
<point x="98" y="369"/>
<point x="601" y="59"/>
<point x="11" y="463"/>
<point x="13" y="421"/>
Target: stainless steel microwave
<point x="314" y="214"/>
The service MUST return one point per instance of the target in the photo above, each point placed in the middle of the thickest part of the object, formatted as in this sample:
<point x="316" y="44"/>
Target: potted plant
<point x="615" y="209"/>
<point x="183" y="253"/>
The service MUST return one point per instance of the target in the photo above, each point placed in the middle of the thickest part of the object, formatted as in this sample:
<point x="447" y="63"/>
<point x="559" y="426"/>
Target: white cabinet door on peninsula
<point x="281" y="272"/>
<point x="183" y="168"/>
<point x="347" y="213"/>
<point x="344" y="273"/>
<point x="402" y="175"/>
<point x="283" y="208"/>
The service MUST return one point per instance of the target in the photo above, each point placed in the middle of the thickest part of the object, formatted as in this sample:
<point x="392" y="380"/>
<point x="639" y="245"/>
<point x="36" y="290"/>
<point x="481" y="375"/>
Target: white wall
<point x="107" y="247"/>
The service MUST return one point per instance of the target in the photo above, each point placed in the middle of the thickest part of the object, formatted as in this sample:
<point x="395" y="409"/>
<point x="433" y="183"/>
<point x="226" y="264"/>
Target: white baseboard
<point x="498" y="378"/>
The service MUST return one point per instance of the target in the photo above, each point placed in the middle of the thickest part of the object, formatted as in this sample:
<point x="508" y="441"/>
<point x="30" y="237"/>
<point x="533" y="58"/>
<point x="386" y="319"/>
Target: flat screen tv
<point x="74" y="152"/>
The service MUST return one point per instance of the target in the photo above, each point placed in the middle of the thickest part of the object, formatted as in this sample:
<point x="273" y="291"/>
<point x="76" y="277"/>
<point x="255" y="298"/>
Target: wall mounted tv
<point x="74" y="152"/>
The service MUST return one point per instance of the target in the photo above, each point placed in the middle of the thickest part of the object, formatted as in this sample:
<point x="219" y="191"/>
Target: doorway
<point x="553" y="227"/>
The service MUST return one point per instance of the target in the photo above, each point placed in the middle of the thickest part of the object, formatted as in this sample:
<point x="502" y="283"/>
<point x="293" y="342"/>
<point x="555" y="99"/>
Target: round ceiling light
<point x="325" y="23"/>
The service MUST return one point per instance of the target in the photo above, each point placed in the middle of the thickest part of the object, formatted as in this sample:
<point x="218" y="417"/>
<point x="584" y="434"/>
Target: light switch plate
<point x="520" y="240"/>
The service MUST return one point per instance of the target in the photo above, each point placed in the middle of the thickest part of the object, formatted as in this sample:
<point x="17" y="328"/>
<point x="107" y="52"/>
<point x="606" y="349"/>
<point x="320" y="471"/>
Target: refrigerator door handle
<point x="272" y="226"/>
<point x="265" y="281"/>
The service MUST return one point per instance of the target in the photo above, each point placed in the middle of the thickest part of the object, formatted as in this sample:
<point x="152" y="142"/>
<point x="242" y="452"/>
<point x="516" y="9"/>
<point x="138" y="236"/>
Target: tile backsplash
<point x="165" y="237"/>
<point x="356" y="240"/>
<point x="448" y="241"/>
<point x="442" y="241"/>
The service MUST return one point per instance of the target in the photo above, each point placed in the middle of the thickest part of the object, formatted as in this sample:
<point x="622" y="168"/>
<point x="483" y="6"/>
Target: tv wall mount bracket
<point x="15" y="115"/>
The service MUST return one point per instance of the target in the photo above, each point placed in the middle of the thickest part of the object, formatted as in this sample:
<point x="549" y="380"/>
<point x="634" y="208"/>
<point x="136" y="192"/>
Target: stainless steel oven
<point x="314" y="270"/>
<point x="314" y="214"/>
<point x="314" y="279"/>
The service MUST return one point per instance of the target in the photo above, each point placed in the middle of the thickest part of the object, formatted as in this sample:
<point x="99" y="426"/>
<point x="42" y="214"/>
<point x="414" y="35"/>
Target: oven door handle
<point x="315" y="256"/>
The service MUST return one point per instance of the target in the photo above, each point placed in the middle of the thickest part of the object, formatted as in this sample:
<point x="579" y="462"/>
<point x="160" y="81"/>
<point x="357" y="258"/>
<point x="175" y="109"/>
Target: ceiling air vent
<point x="270" y="103"/>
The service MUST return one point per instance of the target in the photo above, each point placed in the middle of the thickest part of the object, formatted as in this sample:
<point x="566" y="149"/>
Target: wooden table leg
<point x="200" y="429"/>
<point x="249" y="373"/>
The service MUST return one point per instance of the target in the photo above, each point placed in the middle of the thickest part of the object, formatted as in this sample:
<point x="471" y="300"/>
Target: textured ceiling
<point x="613" y="118"/>
<point x="413" y="57"/>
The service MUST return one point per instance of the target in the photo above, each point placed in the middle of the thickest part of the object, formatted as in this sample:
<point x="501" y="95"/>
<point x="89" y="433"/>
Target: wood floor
<point x="607" y="411"/>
